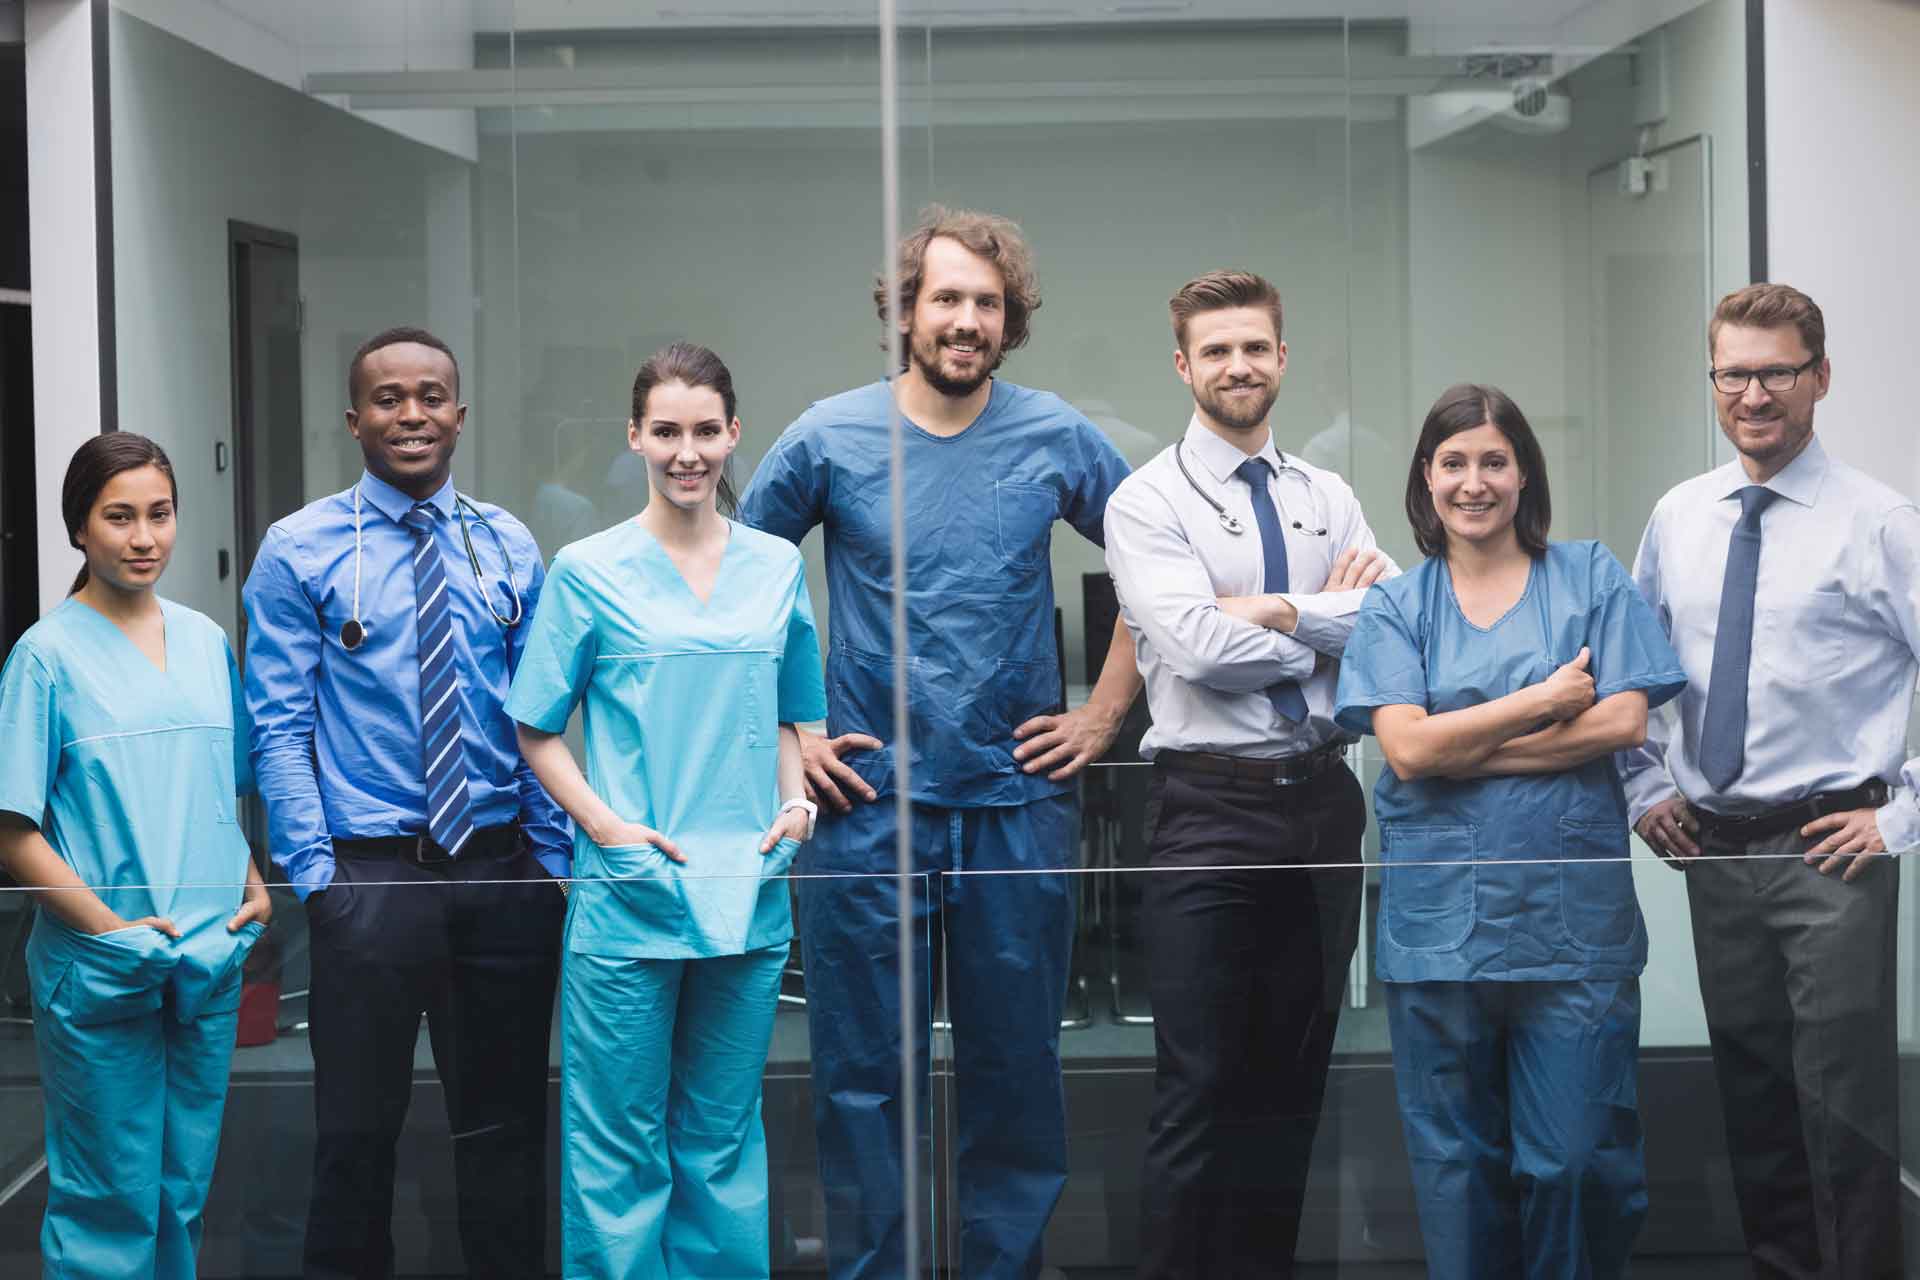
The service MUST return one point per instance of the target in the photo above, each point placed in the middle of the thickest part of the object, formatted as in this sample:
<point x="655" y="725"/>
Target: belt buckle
<point x="1294" y="771"/>
<point x="422" y="842"/>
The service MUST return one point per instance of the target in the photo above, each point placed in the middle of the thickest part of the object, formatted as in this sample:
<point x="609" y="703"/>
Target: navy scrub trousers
<point x="1001" y="945"/>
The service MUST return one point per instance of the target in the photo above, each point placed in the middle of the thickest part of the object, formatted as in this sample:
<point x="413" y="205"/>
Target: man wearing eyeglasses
<point x="1790" y="585"/>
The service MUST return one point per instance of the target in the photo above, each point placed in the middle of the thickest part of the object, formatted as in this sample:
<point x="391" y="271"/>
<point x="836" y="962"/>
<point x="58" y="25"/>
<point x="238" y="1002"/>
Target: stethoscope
<point x="1232" y="523"/>
<point x="353" y="632"/>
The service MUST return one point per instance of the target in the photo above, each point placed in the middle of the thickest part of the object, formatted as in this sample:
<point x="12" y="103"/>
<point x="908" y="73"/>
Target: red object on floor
<point x="259" y="1012"/>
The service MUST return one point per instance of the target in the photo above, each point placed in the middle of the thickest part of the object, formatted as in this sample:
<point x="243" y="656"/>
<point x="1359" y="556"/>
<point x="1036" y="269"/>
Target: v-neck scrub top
<point x="1519" y="876"/>
<point x="980" y="511"/>
<point x="131" y="772"/>
<point x="683" y="702"/>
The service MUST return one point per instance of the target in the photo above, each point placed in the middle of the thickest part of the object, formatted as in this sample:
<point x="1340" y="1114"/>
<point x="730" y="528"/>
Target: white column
<point x="1843" y="180"/>
<point x="62" y="223"/>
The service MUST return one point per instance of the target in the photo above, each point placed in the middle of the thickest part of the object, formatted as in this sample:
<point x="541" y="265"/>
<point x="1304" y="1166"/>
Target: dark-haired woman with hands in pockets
<point x="125" y="742"/>
<point x="1500" y="676"/>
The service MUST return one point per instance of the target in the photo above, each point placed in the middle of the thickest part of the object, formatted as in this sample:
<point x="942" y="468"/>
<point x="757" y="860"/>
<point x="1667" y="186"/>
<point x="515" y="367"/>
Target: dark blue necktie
<point x="1285" y="696"/>
<point x="443" y="751"/>
<point x="1723" y="736"/>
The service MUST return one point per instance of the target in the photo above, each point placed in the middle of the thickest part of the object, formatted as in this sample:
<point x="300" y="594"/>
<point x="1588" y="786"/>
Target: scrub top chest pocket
<point x="1023" y="514"/>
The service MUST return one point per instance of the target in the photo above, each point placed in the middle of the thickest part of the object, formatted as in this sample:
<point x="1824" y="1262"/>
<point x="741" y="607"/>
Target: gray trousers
<point x="1797" y="975"/>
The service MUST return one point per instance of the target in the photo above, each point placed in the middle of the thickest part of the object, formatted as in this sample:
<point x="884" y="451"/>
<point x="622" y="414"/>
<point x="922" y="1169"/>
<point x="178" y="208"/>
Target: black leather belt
<point x="502" y="841"/>
<point x="1286" y="771"/>
<point x="1747" y="828"/>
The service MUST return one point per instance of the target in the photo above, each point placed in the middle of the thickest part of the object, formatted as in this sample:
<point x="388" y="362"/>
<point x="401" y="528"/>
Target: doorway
<point x="268" y="472"/>
<point x="263" y="268"/>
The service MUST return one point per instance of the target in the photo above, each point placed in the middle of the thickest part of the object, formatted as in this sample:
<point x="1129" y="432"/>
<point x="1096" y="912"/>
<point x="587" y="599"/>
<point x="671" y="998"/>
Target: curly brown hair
<point x="989" y="235"/>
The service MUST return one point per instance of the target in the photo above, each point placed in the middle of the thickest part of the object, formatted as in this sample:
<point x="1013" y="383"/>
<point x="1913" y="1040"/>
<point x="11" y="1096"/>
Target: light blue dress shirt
<point x="1835" y="637"/>
<point x="336" y="734"/>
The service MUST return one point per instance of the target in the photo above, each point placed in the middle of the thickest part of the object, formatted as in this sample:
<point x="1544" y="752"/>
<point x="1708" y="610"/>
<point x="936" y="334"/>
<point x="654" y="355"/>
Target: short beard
<point x="954" y="388"/>
<point x="1218" y="410"/>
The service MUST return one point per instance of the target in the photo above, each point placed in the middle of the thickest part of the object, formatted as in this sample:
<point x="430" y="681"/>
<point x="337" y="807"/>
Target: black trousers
<point x="1797" y="977"/>
<point x="1247" y="972"/>
<point x="479" y="960"/>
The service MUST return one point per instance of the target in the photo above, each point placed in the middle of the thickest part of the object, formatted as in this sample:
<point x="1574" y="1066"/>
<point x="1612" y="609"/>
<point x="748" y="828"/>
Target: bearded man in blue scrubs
<point x="989" y="467"/>
<point x="384" y="625"/>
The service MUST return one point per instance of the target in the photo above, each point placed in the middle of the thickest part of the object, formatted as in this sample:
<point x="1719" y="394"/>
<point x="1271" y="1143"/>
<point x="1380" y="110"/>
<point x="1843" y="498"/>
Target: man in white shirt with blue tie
<point x="1240" y="572"/>
<point x="1790" y="585"/>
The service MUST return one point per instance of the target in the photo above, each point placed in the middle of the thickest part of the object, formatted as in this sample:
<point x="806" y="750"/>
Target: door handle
<point x="220" y="460"/>
<point x="226" y="564"/>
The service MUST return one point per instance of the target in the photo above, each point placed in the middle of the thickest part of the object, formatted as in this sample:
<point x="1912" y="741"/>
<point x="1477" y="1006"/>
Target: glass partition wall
<point x="1546" y="198"/>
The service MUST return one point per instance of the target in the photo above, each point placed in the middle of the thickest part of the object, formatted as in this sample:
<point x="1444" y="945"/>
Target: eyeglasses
<point x="1733" y="382"/>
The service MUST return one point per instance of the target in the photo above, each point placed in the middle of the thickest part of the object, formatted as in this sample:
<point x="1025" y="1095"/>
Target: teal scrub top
<point x="683" y="703"/>
<point x="1524" y="876"/>
<point x="131" y="772"/>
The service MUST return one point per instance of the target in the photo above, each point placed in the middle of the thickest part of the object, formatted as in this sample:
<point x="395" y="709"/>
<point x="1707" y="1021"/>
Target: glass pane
<point x="616" y="1070"/>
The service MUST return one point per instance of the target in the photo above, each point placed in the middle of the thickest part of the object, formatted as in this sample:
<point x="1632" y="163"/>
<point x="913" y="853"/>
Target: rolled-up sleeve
<point x="1167" y="596"/>
<point x="1898" y="603"/>
<point x="283" y="659"/>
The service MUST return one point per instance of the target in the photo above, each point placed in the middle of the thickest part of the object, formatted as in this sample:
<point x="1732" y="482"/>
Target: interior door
<point x="264" y="274"/>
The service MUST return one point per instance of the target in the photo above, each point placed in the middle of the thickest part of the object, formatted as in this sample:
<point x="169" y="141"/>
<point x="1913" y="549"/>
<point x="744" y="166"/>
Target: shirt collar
<point x="394" y="505"/>
<point x="1219" y="457"/>
<point x="1798" y="482"/>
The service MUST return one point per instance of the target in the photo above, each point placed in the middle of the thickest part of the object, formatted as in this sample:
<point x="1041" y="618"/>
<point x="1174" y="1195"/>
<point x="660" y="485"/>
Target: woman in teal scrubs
<point x="1500" y="676"/>
<point x="690" y="640"/>
<point x="126" y="735"/>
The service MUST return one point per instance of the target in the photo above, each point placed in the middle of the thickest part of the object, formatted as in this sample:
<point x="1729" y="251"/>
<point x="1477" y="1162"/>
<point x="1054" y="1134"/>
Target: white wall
<point x="1842" y="184"/>
<point x="1842" y="187"/>
<point x="198" y="141"/>
<point x="61" y="233"/>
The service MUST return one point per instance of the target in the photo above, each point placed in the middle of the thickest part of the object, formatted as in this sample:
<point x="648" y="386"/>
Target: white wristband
<point x="812" y="812"/>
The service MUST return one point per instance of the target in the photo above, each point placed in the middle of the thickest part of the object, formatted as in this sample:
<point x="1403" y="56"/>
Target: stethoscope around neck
<point x="1228" y="521"/>
<point x="353" y="632"/>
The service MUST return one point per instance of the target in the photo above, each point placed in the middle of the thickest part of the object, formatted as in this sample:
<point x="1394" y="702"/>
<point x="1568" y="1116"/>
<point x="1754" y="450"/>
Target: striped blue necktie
<point x="1285" y="696"/>
<point x="442" y="748"/>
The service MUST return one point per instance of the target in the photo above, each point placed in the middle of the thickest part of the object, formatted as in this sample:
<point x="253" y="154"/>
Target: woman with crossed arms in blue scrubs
<point x="126" y="745"/>
<point x="1500" y="676"/>
<point x="691" y="641"/>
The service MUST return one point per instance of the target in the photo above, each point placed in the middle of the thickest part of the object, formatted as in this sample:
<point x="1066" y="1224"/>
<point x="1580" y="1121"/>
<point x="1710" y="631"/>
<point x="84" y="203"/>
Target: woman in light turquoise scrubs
<point x="691" y="642"/>
<point x="1500" y="675"/>
<point x="125" y="746"/>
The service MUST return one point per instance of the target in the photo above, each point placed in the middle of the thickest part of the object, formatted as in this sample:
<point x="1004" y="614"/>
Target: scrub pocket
<point x="1027" y="689"/>
<point x="640" y="895"/>
<point x="220" y="745"/>
<point x="89" y="980"/>
<point x="1597" y="902"/>
<point x="862" y="702"/>
<point x="778" y="859"/>
<point x="759" y="692"/>
<point x="1426" y="906"/>
<point x="1023" y="517"/>
<point x="207" y="977"/>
